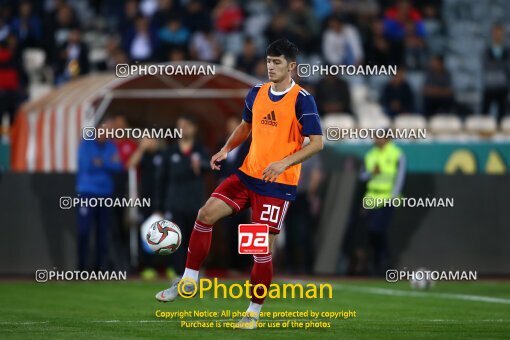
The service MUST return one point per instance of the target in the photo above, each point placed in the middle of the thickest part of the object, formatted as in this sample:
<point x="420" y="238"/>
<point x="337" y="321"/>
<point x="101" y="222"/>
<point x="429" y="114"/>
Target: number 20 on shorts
<point x="270" y="213"/>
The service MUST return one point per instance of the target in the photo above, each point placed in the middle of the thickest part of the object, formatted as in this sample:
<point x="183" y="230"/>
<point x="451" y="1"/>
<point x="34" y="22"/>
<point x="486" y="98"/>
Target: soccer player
<point x="278" y="114"/>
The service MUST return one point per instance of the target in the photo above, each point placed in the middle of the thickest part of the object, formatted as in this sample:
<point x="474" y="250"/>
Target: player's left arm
<point x="273" y="170"/>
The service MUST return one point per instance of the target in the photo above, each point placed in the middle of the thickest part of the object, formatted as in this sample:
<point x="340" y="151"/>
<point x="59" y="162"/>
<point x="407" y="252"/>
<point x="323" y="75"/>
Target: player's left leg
<point x="270" y="211"/>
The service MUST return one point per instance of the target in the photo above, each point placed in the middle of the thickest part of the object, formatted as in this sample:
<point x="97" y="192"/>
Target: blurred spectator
<point x="261" y="70"/>
<point x="177" y="54"/>
<point x="27" y="26"/>
<point x="125" y="149"/>
<point x="302" y="218"/>
<point x="227" y="16"/>
<point x="341" y="43"/>
<point x="258" y="16"/>
<point x="397" y="95"/>
<point x="129" y="15"/>
<point x="172" y="36"/>
<point x="181" y="174"/>
<point x="196" y="17"/>
<point x="10" y="77"/>
<point x="98" y="160"/>
<point x="321" y="9"/>
<point x="148" y="157"/>
<point x="205" y="47"/>
<point x="415" y="50"/>
<point x="140" y="42"/>
<point x="115" y="55"/>
<point x="247" y="61"/>
<point x="434" y="27"/>
<point x="397" y="18"/>
<point x="125" y="146"/>
<point x="279" y="29"/>
<point x="377" y="48"/>
<point x="437" y="90"/>
<point x="5" y="30"/>
<point x="72" y="58"/>
<point x="148" y="7"/>
<point x="400" y="20"/>
<point x="333" y="95"/>
<point x="496" y="73"/>
<point x="303" y="25"/>
<point x="166" y="10"/>
<point x="58" y="31"/>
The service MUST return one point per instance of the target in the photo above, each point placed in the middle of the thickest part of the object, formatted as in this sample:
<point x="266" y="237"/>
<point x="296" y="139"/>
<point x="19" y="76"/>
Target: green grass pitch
<point x="123" y="310"/>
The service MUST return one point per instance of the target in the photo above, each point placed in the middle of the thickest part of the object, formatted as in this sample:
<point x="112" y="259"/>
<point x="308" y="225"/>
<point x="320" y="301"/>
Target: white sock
<point x="190" y="274"/>
<point x="254" y="310"/>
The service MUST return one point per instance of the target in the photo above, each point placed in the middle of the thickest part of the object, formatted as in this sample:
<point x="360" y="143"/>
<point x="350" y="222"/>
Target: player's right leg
<point x="199" y="245"/>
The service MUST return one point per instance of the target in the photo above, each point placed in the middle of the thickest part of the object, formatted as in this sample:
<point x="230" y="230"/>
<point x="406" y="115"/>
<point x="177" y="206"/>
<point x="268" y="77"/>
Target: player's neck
<point x="283" y="85"/>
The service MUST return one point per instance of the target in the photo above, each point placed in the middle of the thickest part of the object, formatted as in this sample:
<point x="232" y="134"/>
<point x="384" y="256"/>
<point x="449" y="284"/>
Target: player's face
<point x="278" y="68"/>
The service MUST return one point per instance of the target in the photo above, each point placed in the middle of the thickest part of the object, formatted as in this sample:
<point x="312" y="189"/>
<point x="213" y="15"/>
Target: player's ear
<point x="292" y="66"/>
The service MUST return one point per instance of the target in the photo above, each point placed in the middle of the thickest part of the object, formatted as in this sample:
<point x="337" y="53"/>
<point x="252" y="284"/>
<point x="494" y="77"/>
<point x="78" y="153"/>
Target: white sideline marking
<point x="23" y="322"/>
<point x="234" y="320"/>
<point x="483" y="320"/>
<point x="394" y="292"/>
<point x="196" y="320"/>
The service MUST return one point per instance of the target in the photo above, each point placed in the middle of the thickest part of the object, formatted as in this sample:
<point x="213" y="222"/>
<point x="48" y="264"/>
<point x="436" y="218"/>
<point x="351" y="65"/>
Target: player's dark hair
<point x="283" y="47"/>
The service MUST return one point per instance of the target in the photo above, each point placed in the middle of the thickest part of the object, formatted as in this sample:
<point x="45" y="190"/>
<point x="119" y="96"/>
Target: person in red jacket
<point x="9" y="80"/>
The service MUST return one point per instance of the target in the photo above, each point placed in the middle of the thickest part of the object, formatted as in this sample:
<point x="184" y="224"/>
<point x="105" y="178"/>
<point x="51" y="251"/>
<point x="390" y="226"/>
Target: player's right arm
<point x="237" y="137"/>
<point x="242" y="131"/>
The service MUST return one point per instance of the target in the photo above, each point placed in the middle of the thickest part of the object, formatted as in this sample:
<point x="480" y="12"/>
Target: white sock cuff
<point x="263" y="258"/>
<point x="254" y="309"/>
<point x="190" y="274"/>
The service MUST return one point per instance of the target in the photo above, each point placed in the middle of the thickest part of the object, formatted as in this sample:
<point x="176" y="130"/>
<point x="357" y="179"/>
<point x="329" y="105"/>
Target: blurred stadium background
<point x="57" y="75"/>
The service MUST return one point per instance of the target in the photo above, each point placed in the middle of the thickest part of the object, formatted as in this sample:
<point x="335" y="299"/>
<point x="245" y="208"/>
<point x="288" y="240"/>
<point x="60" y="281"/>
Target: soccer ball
<point x="144" y="229"/>
<point x="164" y="237"/>
<point x="420" y="281"/>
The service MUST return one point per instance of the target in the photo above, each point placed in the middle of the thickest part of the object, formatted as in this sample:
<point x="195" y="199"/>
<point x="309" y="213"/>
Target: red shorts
<point x="264" y="209"/>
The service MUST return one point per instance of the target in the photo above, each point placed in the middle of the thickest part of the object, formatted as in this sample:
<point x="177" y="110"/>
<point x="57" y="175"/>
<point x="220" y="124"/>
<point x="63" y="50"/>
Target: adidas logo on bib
<point x="270" y="119"/>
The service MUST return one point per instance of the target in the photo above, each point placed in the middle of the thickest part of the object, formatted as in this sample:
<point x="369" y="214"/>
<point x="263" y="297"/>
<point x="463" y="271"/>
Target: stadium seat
<point x="336" y="120"/>
<point x="97" y="55"/>
<point x="33" y="59"/>
<point x="359" y="93"/>
<point x="341" y="120"/>
<point x="503" y="134"/>
<point x="368" y="110"/>
<point x="482" y="126"/>
<point x="504" y="125"/>
<point x="444" y="125"/>
<point x="375" y="122"/>
<point x="410" y="121"/>
<point x="37" y="90"/>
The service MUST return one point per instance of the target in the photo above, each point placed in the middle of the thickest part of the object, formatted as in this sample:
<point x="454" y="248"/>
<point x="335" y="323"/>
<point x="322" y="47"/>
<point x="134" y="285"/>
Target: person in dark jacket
<point x="148" y="158"/>
<point x="72" y="58"/>
<point x="181" y="174"/>
<point x="397" y="96"/>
